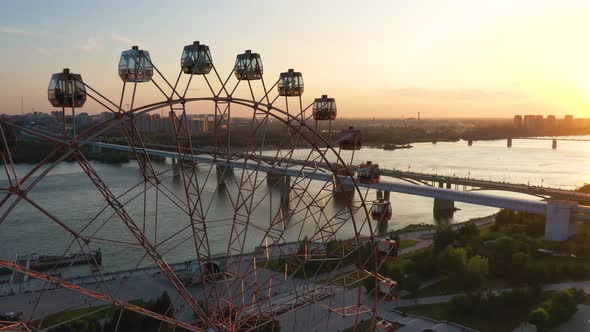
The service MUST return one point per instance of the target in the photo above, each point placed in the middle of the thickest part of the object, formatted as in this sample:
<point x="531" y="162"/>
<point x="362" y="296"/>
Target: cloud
<point x="15" y="31"/>
<point x="122" y="39"/>
<point x="456" y="94"/>
<point x="89" y="46"/>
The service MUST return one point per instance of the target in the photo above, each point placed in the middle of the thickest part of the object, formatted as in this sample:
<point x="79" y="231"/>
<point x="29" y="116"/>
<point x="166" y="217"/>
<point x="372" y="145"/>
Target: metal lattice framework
<point x="277" y="244"/>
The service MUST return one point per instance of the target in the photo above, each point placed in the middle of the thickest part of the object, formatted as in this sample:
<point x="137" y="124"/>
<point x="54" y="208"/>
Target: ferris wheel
<point x="255" y="219"/>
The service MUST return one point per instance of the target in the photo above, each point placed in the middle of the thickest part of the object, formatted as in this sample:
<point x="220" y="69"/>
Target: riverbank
<point x="429" y="229"/>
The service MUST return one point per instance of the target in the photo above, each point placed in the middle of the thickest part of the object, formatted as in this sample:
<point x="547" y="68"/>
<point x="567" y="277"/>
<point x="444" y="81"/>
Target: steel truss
<point x="304" y="224"/>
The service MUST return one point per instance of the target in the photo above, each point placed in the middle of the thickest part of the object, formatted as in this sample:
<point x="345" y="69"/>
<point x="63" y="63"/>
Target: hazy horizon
<point x="453" y="59"/>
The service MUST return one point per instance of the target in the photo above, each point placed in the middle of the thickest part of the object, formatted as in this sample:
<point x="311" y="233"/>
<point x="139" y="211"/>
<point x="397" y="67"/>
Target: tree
<point x="452" y="261"/>
<point x="162" y="305"/>
<point x="558" y="313"/>
<point x="443" y="237"/>
<point x="468" y="231"/>
<point x="369" y="284"/>
<point x="540" y="318"/>
<point x="565" y="298"/>
<point x="479" y="266"/>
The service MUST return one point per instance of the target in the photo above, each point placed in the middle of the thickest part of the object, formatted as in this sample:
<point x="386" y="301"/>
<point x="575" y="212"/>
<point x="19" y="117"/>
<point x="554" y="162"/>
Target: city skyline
<point x="459" y="59"/>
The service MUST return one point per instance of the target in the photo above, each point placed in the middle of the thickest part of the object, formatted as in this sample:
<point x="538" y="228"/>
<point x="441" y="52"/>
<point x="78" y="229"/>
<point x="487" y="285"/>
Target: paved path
<point x="584" y="285"/>
<point x="578" y="322"/>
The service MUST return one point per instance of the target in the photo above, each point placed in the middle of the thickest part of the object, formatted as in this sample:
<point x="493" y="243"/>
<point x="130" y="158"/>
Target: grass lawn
<point x="414" y="227"/>
<point x="445" y="287"/>
<point x="440" y="311"/>
<point x="92" y="313"/>
<point x="403" y="244"/>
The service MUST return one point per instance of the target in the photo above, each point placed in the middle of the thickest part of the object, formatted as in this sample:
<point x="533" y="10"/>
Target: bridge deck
<point x="478" y="198"/>
<point x="547" y="192"/>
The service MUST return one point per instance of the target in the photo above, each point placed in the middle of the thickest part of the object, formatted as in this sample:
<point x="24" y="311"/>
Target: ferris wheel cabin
<point x="324" y="108"/>
<point x="368" y="173"/>
<point x="384" y="326"/>
<point x="290" y="84"/>
<point x="135" y="65"/>
<point x="388" y="248"/>
<point x="388" y="289"/>
<point x="66" y="90"/>
<point x="381" y="210"/>
<point x="248" y="66"/>
<point x="196" y="59"/>
<point x="350" y="139"/>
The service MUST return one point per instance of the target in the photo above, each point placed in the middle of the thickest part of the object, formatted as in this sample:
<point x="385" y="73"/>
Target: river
<point x="68" y="194"/>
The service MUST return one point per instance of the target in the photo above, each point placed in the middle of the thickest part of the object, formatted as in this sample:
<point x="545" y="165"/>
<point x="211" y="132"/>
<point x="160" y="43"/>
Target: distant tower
<point x="22" y="105"/>
<point x="418" y="116"/>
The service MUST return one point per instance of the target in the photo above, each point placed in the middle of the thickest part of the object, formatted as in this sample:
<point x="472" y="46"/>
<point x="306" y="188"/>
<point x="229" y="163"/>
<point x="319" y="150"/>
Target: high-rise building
<point x="82" y="119"/>
<point x="568" y="121"/>
<point x="533" y="122"/>
<point x="518" y="121"/>
<point x="551" y="122"/>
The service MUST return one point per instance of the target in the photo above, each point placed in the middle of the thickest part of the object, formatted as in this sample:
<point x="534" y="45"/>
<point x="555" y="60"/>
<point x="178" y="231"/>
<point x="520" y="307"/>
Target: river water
<point x="68" y="194"/>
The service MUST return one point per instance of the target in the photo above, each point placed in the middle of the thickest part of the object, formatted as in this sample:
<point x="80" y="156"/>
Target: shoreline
<point x="427" y="229"/>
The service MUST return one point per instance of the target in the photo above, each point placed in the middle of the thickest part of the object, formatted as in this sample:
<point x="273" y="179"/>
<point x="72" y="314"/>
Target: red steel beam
<point x="111" y="199"/>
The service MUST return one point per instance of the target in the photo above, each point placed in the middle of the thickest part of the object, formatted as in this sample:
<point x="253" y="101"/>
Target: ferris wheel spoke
<point x="136" y="143"/>
<point x="136" y="232"/>
<point x="25" y="191"/>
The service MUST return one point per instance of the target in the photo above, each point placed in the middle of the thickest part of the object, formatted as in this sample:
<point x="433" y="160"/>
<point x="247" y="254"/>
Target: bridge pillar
<point x="343" y="188"/>
<point x="470" y="142"/>
<point x="273" y="177"/>
<point x="379" y="194"/>
<point x="339" y="187"/>
<point x="343" y="192"/>
<point x="554" y="144"/>
<point x="96" y="148"/>
<point x="175" y="168"/>
<point x="285" y="184"/>
<point x="557" y="220"/>
<point x="223" y="172"/>
<point x="442" y="205"/>
<point x="509" y="142"/>
<point x="386" y="196"/>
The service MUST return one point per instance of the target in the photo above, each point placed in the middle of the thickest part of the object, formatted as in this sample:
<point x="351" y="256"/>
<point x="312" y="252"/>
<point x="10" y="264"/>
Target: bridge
<point x="442" y="181"/>
<point x="561" y="215"/>
<point x="553" y="140"/>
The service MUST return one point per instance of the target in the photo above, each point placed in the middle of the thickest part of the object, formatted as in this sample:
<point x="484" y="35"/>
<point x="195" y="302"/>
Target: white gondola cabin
<point x="368" y="173"/>
<point x="248" y="66"/>
<point x="384" y="326"/>
<point x="381" y="210"/>
<point x="388" y="289"/>
<point x="324" y="108"/>
<point x="196" y="59"/>
<point x="388" y="248"/>
<point x="135" y="65"/>
<point x="350" y="139"/>
<point x="66" y="90"/>
<point x="290" y="84"/>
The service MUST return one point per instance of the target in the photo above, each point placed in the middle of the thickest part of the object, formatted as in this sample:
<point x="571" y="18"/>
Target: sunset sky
<point x="443" y="58"/>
